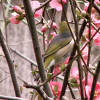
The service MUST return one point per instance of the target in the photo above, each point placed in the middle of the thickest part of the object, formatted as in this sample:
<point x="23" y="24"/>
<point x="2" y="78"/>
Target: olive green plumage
<point x="59" y="46"/>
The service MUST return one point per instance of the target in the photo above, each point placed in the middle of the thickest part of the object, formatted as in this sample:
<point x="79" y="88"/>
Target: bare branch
<point x="32" y="27"/>
<point x="10" y="98"/>
<point x="10" y="65"/>
<point x="24" y="57"/>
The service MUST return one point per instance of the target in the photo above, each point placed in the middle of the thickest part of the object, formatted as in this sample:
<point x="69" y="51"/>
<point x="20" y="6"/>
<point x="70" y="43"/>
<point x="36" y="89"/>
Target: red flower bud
<point x="17" y="9"/>
<point x="54" y="25"/>
<point x="44" y="28"/>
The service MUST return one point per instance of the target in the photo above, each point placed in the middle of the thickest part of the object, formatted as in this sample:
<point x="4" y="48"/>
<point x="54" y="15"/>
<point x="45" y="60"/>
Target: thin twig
<point x="71" y="91"/>
<point x="37" y="88"/>
<point x="44" y="4"/>
<point x="95" y="81"/>
<point x="40" y="91"/>
<point x="10" y="98"/>
<point x="24" y="57"/>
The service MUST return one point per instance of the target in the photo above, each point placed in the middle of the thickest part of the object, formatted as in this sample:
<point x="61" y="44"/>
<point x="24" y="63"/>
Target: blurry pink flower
<point x="44" y="28"/>
<point x="97" y="23"/>
<point x="14" y="19"/>
<point x="85" y="54"/>
<point x="97" y="39"/>
<point x="64" y="1"/>
<point x="97" y="92"/>
<point x="74" y="73"/>
<point x="56" y="88"/>
<point x="97" y="1"/>
<point x="53" y="34"/>
<point x="56" y="70"/>
<point x="56" y="4"/>
<point x="17" y="9"/>
<point x="87" y="89"/>
<point x="66" y="61"/>
<point x="86" y="6"/>
<point x="54" y="25"/>
<point x="35" y="5"/>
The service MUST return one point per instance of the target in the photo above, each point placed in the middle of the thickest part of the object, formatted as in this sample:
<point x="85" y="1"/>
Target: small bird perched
<point x="59" y="47"/>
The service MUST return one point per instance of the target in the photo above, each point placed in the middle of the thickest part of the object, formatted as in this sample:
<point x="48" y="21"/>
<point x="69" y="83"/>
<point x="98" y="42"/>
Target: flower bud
<point x="44" y="28"/>
<point x="17" y="9"/>
<point x="54" y="25"/>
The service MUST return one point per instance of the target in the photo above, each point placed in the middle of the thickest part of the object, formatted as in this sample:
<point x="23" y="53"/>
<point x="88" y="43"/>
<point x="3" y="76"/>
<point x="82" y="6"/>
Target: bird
<point x="59" y="47"/>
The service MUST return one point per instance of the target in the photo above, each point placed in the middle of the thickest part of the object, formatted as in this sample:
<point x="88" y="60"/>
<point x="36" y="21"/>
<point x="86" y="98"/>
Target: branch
<point x="10" y="65"/>
<point x="85" y="22"/>
<point x="43" y="5"/>
<point x="95" y="81"/>
<point x="24" y="57"/>
<point x="39" y="90"/>
<point x="10" y="98"/>
<point x="71" y="91"/>
<point x="32" y="27"/>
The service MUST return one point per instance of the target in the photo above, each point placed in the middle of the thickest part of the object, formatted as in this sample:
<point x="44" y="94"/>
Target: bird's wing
<point x="55" y="46"/>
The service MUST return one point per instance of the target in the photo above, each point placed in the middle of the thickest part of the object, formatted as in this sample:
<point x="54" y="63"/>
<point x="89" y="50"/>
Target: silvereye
<point x="59" y="47"/>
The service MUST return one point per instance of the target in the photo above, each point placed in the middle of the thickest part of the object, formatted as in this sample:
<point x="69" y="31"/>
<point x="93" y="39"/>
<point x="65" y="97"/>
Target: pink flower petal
<point x="66" y="61"/>
<point x="97" y="39"/>
<point x="97" y="1"/>
<point x="86" y="6"/>
<point x="88" y="91"/>
<point x="56" y="70"/>
<point x="85" y="54"/>
<point x="55" y="4"/>
<point x="38" y="13"/>
<point x="34" y="5"/>
<point x="74" y="73"/>
<point x="59" y="87"/>
<point x="64" y="1"/>
<point x="14" y="19"/>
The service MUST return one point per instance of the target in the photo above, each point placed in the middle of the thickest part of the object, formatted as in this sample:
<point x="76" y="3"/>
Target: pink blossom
<point x="97" y="22"/>
<point x="86" y="6"/>
<point x="66" y="61"/>
<point x="87" y="89"/>
<point x="14" y="19"/>
<point x="56" y="4"/>
<point x="56" y="88"/>
<point x="74" y="73"/>
<point x="97" y="39"/>
<point x="64" y="1"/>
<point x="44" y="28"/>
<point x="52" y="35"/>
<point x="85" y="53"/>
<point x="56" y="70"/>
<point x="35" y="5"/>
<point x="54" y="25"/>
<point x="97" y="1"/>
